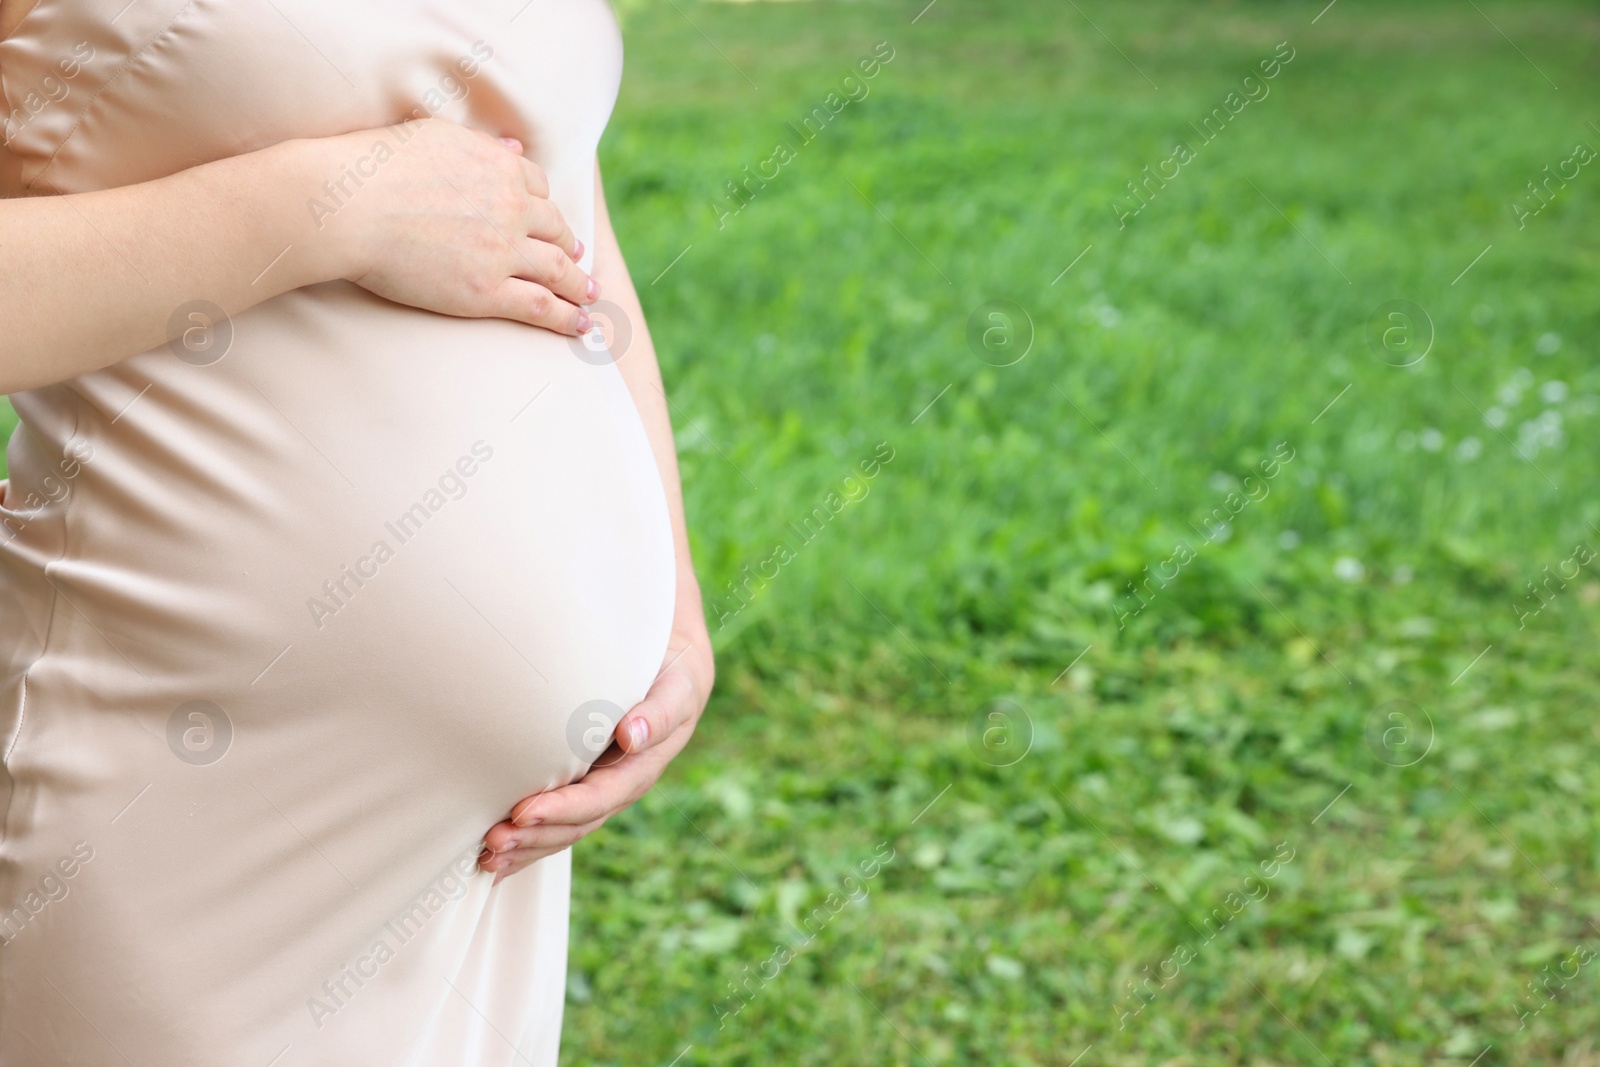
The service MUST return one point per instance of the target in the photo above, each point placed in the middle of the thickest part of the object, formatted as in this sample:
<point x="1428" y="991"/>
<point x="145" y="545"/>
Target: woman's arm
<point x="549" y="822"/>
<point x="454" y="223"/>
<point x="91" y="278"/>
<point x="643" y="374"/>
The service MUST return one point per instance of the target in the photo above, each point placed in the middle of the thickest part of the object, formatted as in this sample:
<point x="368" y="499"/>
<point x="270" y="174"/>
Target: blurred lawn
<point x="1038" y="907"/>
<point x="1178" y="753"/>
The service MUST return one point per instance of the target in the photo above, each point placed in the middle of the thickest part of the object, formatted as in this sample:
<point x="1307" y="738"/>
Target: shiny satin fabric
<point x="294" y="609"/>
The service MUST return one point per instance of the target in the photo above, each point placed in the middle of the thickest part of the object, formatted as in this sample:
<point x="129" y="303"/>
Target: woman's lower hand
<point x="451" y="220"/>
<point x="646" y="739"/>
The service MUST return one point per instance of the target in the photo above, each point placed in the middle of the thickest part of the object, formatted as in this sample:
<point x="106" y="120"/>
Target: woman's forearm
<point x="454" y="220"/>
<point x="643" y="376"/>
<point x="88" y="279"/>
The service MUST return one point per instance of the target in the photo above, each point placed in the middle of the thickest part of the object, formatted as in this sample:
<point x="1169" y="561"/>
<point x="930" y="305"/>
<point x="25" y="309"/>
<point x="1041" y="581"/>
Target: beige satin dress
<point x="294" y="609"/>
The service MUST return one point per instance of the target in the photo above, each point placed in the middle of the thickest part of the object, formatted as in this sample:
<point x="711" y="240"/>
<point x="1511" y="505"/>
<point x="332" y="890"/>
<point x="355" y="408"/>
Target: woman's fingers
<point x="509" y="863"/>
<point x="511" y="255"/>
<point x="534" y="177"/>
<point x="546" y="223"/>
<point x="544" y="841"/>
<point x="669" y="711"/>
<point x="603" y="791"/>
<point x="532" y="303"/>
<point x="670" y="704"/>
<point x="550" y="838"/>
<point x="547" y="822"/>
<point x="552" y="268"/>
<point x="614" y="784"/>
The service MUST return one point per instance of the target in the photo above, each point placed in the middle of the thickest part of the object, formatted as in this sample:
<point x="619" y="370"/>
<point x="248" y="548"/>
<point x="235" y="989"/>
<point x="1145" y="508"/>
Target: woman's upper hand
<point x="452" y="220"/>
<point x="646" y="739"/>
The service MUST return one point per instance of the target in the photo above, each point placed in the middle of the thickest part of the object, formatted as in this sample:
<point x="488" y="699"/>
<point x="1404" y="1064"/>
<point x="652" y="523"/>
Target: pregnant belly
<point x="322" y="611"/>
<point x="410" y="564"/>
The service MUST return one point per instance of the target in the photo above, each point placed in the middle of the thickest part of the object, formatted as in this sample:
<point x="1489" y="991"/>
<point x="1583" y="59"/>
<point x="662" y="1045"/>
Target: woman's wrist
<point x="690" y="639"/>
<point x="329" y="246"/>
<point x="264" y="201"/>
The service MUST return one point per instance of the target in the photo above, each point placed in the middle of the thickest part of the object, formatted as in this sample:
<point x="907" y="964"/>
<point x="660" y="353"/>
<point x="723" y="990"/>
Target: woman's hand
<point x="448" y="219"/>
<point x="646" y="740"/>
<point x="455" y="221"/>
<point x="546" y="823"/>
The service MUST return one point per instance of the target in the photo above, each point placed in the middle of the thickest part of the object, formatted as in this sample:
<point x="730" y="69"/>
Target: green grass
<point x="1180" y="751"/>
<point x="1241" y="714"/>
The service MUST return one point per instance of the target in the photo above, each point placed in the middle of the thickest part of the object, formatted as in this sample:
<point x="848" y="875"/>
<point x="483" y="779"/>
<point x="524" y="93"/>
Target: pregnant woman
<point x="342" y="534"/>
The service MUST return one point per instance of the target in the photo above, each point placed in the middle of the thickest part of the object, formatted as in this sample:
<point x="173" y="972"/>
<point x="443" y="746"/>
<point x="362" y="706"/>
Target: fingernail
<point x="527" y="820"/>
<point x="594" y="288"/>
<point x="577" y="248"/>
<point x="638" y="734"/>
<point x="484" y="855"/>
<point x="512" y="143"/>
<point x="584" y="322"/>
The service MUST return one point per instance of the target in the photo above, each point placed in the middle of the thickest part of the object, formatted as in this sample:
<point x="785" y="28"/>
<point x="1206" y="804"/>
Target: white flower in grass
<point x="1495" y="417"/>
<point x="1542" y="432"/>
<point x="1431" y="440"/>
<point x="1348" y="569"/>
<point x="1528" y="440"/>
<point x="1548" y="344"/>
<point x="1469" y="449"/>
<point x="1553" y="392"/>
